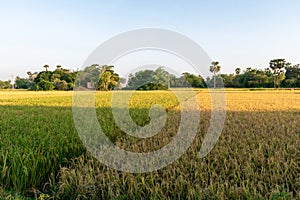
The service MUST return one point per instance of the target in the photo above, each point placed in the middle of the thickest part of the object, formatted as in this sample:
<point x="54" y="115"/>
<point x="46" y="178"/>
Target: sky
<point x="237" y="33"/>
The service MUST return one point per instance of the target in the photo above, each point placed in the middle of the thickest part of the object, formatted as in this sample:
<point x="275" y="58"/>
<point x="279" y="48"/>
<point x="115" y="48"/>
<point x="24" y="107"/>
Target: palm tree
<point x="58" y="67"/>
<point x="277" y="65"/>
<point x="215" y="68"/>
<point x="237" y="71"/>
<point x="46" y="67"/>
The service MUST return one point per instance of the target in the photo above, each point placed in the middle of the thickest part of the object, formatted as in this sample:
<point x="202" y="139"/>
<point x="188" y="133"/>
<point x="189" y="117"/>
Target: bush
<point x="70" y="86"/>
<point x="152" y="86"/>
<point x="61" y="85"/>
<point x="45" y="85"/>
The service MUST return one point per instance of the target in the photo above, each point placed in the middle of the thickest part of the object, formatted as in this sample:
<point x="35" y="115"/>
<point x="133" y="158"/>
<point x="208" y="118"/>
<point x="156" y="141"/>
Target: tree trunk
<point x="214" y="79"/>
<point x="274" y="81"/>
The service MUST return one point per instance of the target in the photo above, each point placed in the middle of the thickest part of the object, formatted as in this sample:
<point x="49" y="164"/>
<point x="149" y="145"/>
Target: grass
<point x="256" y="157"/>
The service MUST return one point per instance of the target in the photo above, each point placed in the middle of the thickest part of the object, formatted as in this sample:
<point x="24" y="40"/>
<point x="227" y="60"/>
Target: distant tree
<point x="105" y="80"/>
<point x="143" y="77"/>
<point x="152" y="86"/>
<point x="121" y="83"/>
<point x="32" y="76"/>
<point x="46" y="67"/>
<point x="45" y="85"/>
<point x="5" y="84"/>
<point x="43" y="76"/>
<point x="237" y="71"/>
<point x="97" y="77"/>
<point x="61" y="85"/>
<point x="58" y="67"/>
<point x="292" y="76"/>
<point x="215" y="68"/>
<point x="194" y="80"/>
<point x="277" y="65"/>
<point x="89" y="76"/>
<point x="23" y="83"/>
<point x="161" y="77"/>
<point x="279" y="73"/>
<point x="268" y="72"/>
<point x="208" y="79"/>
<point x="59" y="79"/>
<point x="108" y="78"/>
<point x="228" y="80"/>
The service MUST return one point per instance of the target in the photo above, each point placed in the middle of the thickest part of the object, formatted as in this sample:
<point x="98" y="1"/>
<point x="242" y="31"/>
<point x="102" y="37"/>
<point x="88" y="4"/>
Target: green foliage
<point x="237" y="71"/>
<point x="108" y="79"/>
<point x="251" y="78"/>
<point x="59" y="79"/>
<point x="98" y="77"/>
<point x="23" y="83"/>
<point x="61" y="85"/>
<point x="278" y="65"/>
<point x="193" y="80"/>
<point x="45" y="85"/>
<point x="215" y="68"/>
<point x="292" y="76"/>
<point x="5" y="84"/>
<point x="279" y="74"/>
<point x="248" y="78"/>
<point x="140" y="78"/>
<point x="216" y="81"/>
<point x="228" y="80"/>
<point x="160" y="79"/>
<point x="282" y="74"/>
<point x="152" y="86"/>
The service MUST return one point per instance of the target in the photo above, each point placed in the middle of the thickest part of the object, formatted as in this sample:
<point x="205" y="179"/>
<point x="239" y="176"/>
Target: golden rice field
<point x="256" y="157"/>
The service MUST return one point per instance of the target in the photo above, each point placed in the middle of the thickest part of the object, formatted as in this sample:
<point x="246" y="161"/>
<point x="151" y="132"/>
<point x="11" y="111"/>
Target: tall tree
<point x="237" y="71"/>
<point x="58" y="67"/>
<point x="140" y="78"/>
<point x="215" y="68"/>
<point x="161" y="76"/>
<point x="108" y="78"/>
<point x="149" y="79"/>
<point x="5" y="84"/>
<point x="46" y="67"/>
<point x="105" y="79"/>
<point x="192" y="80"/>
<point x="22" y="83"/>
<point x="292" y="76"/>
<point x="277" y="65"/>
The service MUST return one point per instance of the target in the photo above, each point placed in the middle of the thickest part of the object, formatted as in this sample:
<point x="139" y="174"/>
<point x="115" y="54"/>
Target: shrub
<point x="152" y="86"/>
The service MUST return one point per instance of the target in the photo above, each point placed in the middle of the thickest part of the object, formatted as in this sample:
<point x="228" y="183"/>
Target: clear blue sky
<point x="236" y="33"/>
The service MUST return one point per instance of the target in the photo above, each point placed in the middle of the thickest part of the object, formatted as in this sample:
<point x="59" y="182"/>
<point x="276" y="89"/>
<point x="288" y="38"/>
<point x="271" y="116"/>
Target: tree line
<point x="92" y="77"/>
<point x="59" y="79"/>
<point x="279" y="74"/>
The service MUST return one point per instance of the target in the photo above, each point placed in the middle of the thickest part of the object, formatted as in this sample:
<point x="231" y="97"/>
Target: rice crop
<point x="256" y="157"/>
